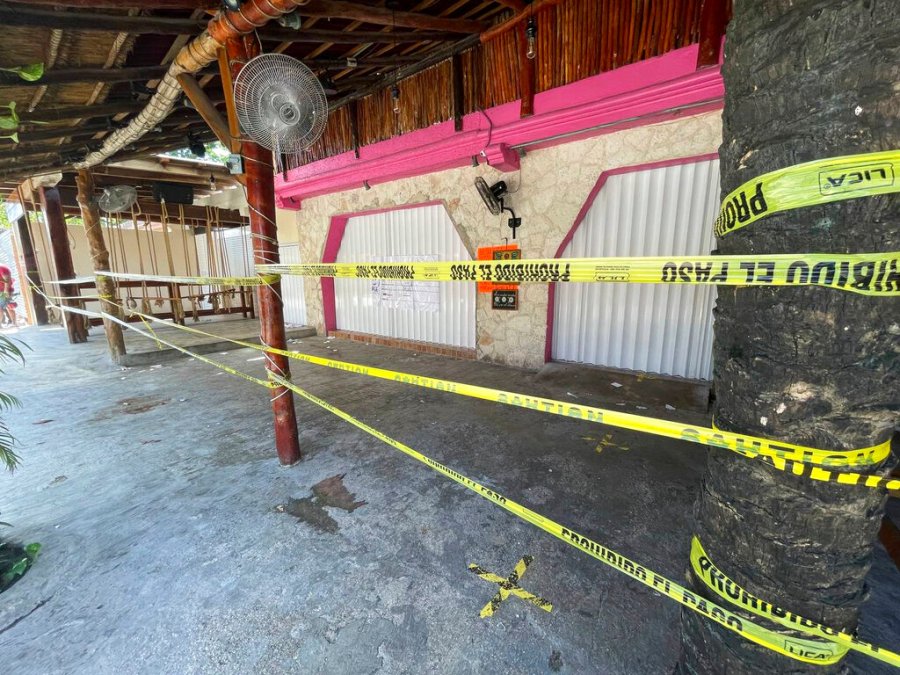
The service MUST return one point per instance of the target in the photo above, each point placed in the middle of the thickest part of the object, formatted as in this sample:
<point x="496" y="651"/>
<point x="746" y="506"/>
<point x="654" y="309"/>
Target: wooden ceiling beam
<point x="81" y="111"/>
<point x="129" y="4"/>
<point x="382" y="16"/>
<point x="207" y="110"/>
<point x="515" y="5"/>
<point x="426" y="61"/>
<point x="45" y="165"/>
<point x="151" y="208"/>
<point x="16" y="154"/>
<point x="316" y="35"/>
<point x="70" y="75"/>
<point x="21" y="15"/>
<point x="439" y="29"/>
<point x="504" y="26"/>
<point x="89" y="129"/>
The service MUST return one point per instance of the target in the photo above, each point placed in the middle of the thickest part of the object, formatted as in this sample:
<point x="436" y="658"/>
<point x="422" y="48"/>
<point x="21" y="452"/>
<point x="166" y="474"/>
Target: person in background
<point x="7" y="293"/>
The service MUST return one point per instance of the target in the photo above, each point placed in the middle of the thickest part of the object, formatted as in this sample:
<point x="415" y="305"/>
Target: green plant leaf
<point x="31" y="73"/>
<point x="11" y="121"/>
<point x="32" y="550"/>
<point x="19" y="568"/>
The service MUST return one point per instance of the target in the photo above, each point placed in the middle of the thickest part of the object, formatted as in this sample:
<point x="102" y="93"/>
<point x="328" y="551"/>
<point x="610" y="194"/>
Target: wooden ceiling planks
<point x="412" y="43"/>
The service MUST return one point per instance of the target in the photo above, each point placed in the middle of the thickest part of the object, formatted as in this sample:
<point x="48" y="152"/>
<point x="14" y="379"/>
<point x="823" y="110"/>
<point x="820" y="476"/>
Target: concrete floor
<point x="169" y="544"/>
<point x="142" y="350"/>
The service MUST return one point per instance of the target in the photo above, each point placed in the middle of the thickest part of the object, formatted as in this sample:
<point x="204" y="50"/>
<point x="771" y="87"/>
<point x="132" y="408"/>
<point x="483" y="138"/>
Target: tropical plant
<point x="15" y="561"/>
<point x="30" y="73"/>
<point x="9" y="351"/>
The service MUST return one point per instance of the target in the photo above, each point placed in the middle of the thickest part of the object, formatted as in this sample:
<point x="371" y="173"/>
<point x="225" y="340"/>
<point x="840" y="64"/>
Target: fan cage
<point x="268" y="90"/>
<point x="117" y="198"/>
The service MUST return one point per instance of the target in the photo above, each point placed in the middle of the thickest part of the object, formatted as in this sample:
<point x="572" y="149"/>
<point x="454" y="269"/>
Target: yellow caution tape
<point x="798" y="460"/>
<point x="153" y="336"/>
<point x="866" y="273"/>
<point x="725" y="588"/>
<point x="799" y="648"/>
<point x="260" y="280"/>
<point x="819" y="182"/>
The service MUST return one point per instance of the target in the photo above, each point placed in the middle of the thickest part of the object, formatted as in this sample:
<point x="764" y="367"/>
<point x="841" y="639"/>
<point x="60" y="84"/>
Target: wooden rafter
<point x="81" y="111"/>
<point x="129" y="4"/>
<point x="70" y="75"/>
<point x="383" y="16"/>
<point x="143" y="25"/>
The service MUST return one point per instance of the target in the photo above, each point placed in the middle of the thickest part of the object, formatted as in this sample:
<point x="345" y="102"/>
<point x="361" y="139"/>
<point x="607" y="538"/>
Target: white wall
<point x="548" y="193"/>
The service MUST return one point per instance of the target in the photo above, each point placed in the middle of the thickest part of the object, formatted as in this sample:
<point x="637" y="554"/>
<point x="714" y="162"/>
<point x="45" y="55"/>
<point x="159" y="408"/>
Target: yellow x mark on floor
<point x="509" y="586"/>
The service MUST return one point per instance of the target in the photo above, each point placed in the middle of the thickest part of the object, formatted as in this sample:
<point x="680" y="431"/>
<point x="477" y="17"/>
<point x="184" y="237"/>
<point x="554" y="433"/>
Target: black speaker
<point x="173" y="193"/>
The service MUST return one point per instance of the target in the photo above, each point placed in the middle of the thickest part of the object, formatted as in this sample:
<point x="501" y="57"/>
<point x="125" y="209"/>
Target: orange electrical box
<point x="508" y="252"/>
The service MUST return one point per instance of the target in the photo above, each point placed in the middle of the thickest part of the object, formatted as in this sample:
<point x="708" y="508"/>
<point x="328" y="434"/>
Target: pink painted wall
<point x="661" y="88"/>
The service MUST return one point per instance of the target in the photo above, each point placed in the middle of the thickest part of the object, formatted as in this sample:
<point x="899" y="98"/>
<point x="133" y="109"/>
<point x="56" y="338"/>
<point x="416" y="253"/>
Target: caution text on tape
<point x="798" y="460"/>
<point x="799" y="648"/>
<point x="866" y="273"/>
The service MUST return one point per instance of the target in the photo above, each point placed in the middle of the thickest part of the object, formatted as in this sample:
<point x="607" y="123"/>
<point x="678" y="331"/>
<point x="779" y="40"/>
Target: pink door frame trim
<point x="336" y="230"/>
<point x="582" y="214"/>
<point x="641" y="93"/>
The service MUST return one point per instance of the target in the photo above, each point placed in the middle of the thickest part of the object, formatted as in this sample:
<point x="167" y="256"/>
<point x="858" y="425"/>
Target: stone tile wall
<point x="547" y="193"/>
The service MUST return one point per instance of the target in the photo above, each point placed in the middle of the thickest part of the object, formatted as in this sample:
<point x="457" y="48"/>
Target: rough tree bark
<point x="804" y="80"/>
<point x="90" y="214"/>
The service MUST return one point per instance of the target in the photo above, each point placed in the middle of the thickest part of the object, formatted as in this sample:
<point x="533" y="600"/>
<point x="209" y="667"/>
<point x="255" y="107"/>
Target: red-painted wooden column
<point x="259" y="175"/>
<point x="32" y="272"/>
<point x="62" y="261"/>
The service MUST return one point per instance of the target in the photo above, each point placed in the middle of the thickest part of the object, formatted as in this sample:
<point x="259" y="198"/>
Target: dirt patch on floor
<point x="134" y="405"/>
<point x="311" y="510"/>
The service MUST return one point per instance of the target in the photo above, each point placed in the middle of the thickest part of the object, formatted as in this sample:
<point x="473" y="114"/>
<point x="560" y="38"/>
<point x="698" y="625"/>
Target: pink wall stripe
<point x="336" y="230"/>
<point x="633" y="95"/>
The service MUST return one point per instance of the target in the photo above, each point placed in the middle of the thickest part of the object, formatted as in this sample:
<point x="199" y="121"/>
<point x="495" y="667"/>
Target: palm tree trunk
<point x="804" y="80"/>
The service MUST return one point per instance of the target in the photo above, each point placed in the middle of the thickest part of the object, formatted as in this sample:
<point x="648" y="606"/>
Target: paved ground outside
<point x="142" y="349"/>
<point x="173" y="542"/>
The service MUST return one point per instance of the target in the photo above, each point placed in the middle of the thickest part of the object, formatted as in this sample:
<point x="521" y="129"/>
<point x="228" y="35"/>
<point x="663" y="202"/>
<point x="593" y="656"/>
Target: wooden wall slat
<point x="576" y="39"/>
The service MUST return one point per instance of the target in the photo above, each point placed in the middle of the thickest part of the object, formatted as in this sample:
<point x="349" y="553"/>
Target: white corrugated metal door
<point x="644" y="327"/>
<point x="440" y="313"/>
<point x="292" y="287"/>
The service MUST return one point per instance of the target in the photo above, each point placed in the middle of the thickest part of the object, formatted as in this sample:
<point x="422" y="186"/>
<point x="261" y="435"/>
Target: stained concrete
<point x="165" y="550"/>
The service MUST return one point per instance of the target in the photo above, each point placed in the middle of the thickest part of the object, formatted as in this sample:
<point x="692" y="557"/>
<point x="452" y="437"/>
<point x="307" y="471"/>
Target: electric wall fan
<point x="280" y="103"/>
<point x="492" y="196"/>
<point x="117" y="198"/>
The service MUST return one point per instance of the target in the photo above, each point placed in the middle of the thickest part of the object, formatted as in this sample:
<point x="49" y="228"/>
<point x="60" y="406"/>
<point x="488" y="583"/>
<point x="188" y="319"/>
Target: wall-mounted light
<point x="395" y="99"/>
<point x="531" y="36"/>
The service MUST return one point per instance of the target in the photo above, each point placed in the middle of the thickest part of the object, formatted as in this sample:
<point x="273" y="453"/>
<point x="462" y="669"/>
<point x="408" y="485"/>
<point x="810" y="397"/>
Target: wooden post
<point x="259" y="173"/>
<point x="207" y="110"/>
<point x="457" y="94"/>
<point x="62" y="261"/>
<point x="90" y="214"/>
<point x="713" y="19"/>
<point x="32" y="273"/>
<point x="353" y="113"/>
